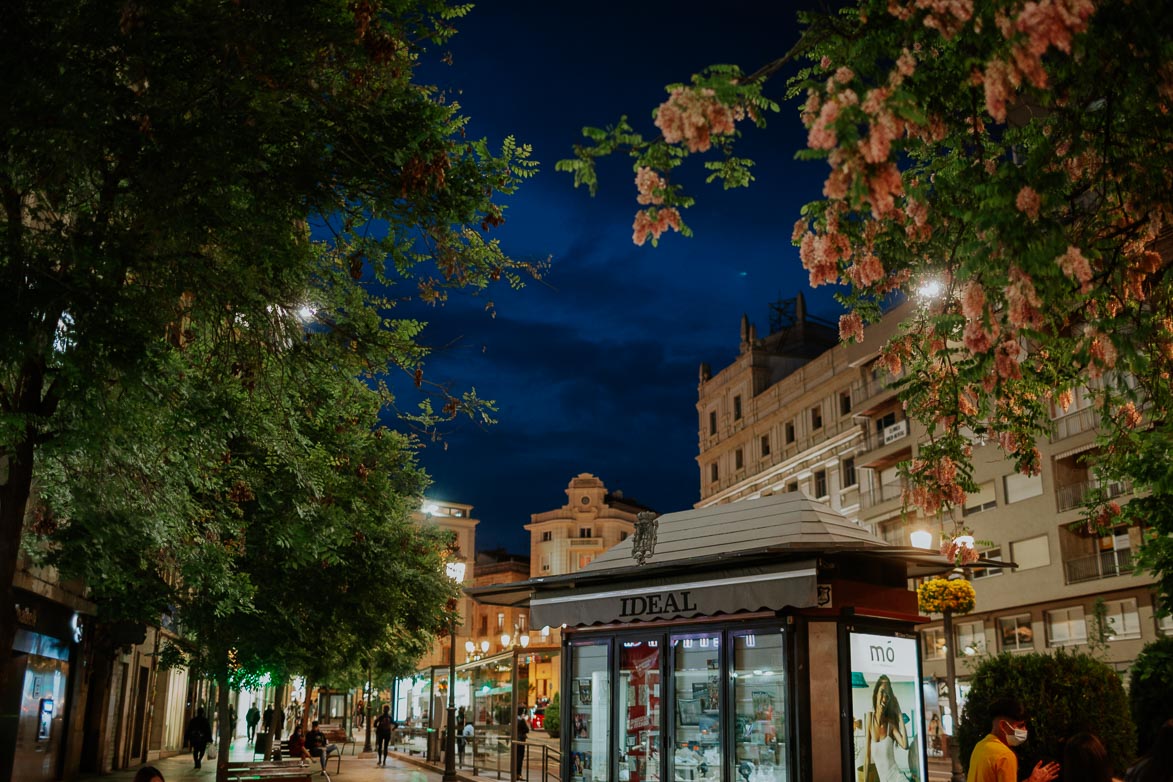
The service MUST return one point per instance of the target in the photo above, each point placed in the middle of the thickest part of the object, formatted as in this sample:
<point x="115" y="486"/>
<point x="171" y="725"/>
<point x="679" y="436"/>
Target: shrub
<point x="552" y="722"/>
<point x="1063" y="694"/>
<point x="1150" y="691"/>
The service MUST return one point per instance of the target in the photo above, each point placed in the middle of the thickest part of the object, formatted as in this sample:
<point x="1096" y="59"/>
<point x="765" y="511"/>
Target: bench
<point x="282" y="756"/>
<point x="268" y="771"/>
<point x="339" y="736"/>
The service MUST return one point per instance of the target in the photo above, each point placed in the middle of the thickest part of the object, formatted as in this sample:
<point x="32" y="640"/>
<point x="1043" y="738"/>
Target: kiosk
<point x="768" y="640"/>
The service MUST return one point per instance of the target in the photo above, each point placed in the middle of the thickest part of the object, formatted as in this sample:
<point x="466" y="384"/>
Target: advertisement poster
<point x="886" y="709"/>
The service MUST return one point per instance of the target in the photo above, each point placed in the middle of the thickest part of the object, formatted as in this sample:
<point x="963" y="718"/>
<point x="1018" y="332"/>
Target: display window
<point x="691" y="705"/>
<point x="887" y="708"/>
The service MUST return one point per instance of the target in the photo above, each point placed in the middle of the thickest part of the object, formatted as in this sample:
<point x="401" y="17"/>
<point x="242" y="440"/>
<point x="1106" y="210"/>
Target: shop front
<point x="765" y="641"/>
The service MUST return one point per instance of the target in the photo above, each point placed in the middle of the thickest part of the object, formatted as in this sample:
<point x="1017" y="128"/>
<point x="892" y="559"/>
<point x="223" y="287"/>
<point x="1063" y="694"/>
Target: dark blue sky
<point x="594" y="369"/>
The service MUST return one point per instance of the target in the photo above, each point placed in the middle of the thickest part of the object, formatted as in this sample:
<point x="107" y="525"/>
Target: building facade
<point x="567" y="539"/>
<point x="829" y="424"/>
<point x="457" y="518"/>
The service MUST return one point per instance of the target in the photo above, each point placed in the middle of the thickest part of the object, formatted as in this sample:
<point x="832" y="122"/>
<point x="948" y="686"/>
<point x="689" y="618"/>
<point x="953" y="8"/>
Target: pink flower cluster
<point x="947" y="16"/>
<point x="821" y="253"/>
<point x="652" y="223"/>
<point x="1103" y="354"/>
<point x="1040" y="25"/>
<point x="694" y="115"/>
<point x="1076" y="266"/>
<point x="1028" y="202"/>
<point x="850" y="327"/>
<point x="934" y="484"/>
<point x="648" y="182"/>
<point x="1023" y="300"/>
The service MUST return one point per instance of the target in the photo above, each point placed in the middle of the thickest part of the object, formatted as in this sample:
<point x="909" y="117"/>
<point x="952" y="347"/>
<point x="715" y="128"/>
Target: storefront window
<point x="759" y="694"/>
<point x="696" y="661"/>
<point x="590" y="713"/>
<point x="639" y="711"/>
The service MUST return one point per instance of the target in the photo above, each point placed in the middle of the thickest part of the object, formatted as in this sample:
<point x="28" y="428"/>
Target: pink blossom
<point x="1129" y="412"/>
<point x="866" y="271"/>
<point x="1006" y="359"/>
<point x="1000" y="81"/>
<point x="694" y="115"/>
<point x="1064" y="399"/>
<point x="1028" y="202"/>
<point x="1076" y="266"/>
<point x="822" y="134"/>
<point x="851" y="327"/>
<point x="1023" y="300"/>
<point x="648" y="182"/>
<point x="1103" y="354"/>
<point x="648" y="225"/>
<point x="973" y="300"/>
<point x="883" y="187"/>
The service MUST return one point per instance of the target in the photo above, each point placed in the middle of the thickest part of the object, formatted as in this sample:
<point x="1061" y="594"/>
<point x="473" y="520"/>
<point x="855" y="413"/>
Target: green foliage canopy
<point x="1150" y="691"/>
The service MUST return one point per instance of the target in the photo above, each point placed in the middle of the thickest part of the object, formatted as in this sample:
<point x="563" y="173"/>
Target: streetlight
<point x="455" y="570"/>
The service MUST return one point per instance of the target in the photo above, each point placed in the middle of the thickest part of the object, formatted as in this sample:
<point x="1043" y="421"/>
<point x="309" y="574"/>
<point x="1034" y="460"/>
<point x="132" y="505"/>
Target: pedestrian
<point x="1157" y="765"/>
<point x="148" y="774"/>
<point x="522" y="733"/>
<point x="359" y="713"/>
<point x="993" y="760"/>
<point x="199" y="733"/>
<point x="251" y="718"/>
<point x="383" y="725"/>
<point x="466" y="735"/>
<point x="1086" y="760"/>
<point x="319" y="747"/>
<point x="297" y="747"/>
<point x="267" y="719"/>
<point x="231" y="721"/>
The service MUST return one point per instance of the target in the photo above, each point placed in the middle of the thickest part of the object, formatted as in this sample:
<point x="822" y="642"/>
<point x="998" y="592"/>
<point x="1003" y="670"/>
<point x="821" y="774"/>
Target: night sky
<point x="594" y="369"/>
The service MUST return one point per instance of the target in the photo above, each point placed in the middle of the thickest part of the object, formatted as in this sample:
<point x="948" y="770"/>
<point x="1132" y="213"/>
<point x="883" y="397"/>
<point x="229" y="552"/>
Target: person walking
<point x="466" y="734"/>
<point x="993" y="760"/>
<point x="383" y="725"/>
<point x="267" y="719"/>
<point x="251" y="718"/>
<point x="522" y="733"/>
<point x="199" y="733"/>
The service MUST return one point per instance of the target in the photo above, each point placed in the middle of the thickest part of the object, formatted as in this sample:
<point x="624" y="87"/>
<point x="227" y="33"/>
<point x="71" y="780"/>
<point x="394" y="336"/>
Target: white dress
<point x="884" y="756"/>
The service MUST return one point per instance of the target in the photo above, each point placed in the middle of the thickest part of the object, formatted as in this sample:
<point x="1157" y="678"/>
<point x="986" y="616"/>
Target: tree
<point x="159" y="170"/>
<point x="1012" y="157"/>
<point x="1063" y="694"/>
<point x="1150" y="690"/>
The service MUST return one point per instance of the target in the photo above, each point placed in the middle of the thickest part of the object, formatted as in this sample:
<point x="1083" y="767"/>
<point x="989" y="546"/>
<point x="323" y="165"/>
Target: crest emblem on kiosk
<point x="643" y="543"/>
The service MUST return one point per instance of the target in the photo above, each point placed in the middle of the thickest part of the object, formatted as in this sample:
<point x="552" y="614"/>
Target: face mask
<point x="1016" y="736"/>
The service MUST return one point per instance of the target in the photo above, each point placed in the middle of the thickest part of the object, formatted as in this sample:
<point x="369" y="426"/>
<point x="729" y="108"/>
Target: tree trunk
<point x="14" y="497"/>
<point x="224" y="739"/>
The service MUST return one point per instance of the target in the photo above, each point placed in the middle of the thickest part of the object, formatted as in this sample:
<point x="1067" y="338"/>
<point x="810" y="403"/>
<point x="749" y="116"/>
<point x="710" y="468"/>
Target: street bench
<point x="268" y="771"/>
<point x="281" y="755"/>
<point x="337" y="735"/>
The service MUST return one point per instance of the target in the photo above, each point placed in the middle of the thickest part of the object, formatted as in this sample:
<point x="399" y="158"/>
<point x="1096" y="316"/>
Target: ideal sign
<point x="656" y="604"/>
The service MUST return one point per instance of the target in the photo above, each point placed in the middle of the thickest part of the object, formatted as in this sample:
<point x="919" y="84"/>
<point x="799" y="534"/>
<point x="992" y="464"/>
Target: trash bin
<point x="264" y="743"/>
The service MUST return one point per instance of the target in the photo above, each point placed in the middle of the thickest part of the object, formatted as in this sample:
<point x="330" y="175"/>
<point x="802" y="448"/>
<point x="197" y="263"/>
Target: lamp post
<point x="951" y="682"/>
<point x="455" y="571"/>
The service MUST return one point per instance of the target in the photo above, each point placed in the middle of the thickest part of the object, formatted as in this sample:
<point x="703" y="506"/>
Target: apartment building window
<point x="545" y="563"/>
<point x="971" y="638"/>
<point x="817" y="417"/>
<point x="1016" y="633"/>
<point x="1022" y="487"/>
<point x="1165" y="625"/>
<point x="547" y="536"/>
<point x="934" y="643"/>
<point x="737" y="408"/>
<point x="484" y="625"/>
<point x="792" y="486"/>
<point x="584" y="560"/>
<point x="821" y="483"/>
<point x="848" y="471"/>
<point x="713" y="472"/>
<point x="500" y="621"/>
<point x="789" y="432"/>
<point x="1123" y="619"/>
<point x="738" y="459"/>
<point x="765" y="445"/>
<point x="986" y="572"/>
<point x="586" y="532"/>
<point x="1066" y="626"/>
<point x="622" y="536"/>
<point x="981" y="500"/>
<point x="884" y="421"/>
<point x="844" y="402"/>
<point x="1031" y="553"/>
<point x="712" y="422"/>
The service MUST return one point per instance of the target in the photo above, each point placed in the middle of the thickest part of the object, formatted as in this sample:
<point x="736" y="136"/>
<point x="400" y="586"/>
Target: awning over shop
<point x="672" y="597"/>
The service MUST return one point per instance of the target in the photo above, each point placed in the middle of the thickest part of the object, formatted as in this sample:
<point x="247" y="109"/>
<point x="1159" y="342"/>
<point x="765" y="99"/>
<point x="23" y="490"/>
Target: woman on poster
<point x="884" y="732"/>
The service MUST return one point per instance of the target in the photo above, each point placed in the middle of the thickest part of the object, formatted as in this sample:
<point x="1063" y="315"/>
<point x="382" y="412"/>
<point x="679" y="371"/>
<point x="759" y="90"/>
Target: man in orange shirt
<point x="993" y="760"/>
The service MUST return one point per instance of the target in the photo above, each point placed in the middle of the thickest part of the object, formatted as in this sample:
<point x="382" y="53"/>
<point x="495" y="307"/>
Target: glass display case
<point x="696" y="664"/>
<point x="759" y="708"/>
<point x="589" y="724"/>
<point x="639" y="711"/>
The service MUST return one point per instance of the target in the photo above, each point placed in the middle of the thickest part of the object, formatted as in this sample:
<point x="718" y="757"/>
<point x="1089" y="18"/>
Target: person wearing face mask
<point x="993" y="760"/>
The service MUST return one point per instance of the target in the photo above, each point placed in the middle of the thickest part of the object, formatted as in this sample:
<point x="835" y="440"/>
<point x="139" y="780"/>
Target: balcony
<point x="1073" y="494"/>
<point x="1074" y="423"/>
<point x="590" y="542"/>
<point x="876" y="494"/>
<point x="1105" y="564"/>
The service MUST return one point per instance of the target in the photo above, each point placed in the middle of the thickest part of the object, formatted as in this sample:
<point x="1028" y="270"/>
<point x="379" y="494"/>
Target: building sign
<point x="887" y="708"/>
<point x="727" y="592"/>
<point x="895" y="431"/>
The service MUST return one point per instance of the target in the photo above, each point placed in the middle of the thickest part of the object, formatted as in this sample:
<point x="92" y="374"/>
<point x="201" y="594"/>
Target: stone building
<point x="567" y="539"/>
<point x="796" y="410"/>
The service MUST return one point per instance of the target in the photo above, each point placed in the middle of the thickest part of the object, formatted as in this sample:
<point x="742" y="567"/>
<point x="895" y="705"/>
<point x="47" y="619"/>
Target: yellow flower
<point x="937" y="594"/>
